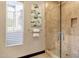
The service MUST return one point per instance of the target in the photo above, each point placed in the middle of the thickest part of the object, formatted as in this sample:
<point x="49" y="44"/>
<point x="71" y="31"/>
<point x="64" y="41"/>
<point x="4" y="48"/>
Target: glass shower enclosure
<point x="62" y="29"/>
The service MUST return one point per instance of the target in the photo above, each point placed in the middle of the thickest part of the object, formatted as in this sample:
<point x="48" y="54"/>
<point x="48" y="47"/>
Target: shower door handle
<point x="60" y="36"/>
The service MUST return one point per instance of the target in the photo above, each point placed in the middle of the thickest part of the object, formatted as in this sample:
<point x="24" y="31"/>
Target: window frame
<point x="6" y="26"/>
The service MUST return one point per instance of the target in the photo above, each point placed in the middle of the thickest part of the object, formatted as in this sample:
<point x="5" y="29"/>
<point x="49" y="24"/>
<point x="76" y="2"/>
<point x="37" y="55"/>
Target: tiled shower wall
<point x="70" y="46"/>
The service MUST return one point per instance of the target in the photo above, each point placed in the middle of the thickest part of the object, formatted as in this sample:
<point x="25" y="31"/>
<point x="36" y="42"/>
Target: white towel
<point x="35" y="34"/>
<point x="36" y="30"/>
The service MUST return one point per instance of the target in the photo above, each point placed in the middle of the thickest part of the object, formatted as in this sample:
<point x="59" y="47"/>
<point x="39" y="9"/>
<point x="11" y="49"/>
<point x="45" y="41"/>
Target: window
<point x="14" y="23"/>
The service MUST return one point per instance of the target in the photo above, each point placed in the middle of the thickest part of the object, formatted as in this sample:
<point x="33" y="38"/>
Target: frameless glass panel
<point x="14" y="23"/>
<point x="52" y="18"/>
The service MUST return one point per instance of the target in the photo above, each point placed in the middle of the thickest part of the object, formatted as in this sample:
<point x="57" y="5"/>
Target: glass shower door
<point x="70" y="28"/>
<point x="52" y="18"/>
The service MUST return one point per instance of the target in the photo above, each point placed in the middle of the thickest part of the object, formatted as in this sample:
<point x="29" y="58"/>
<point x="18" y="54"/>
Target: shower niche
<point x="73" y="21"/>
